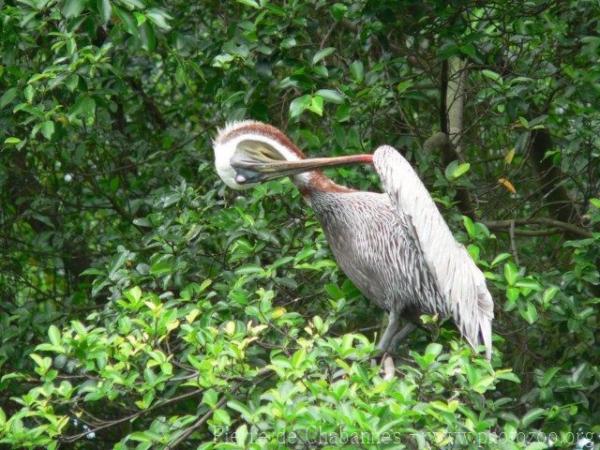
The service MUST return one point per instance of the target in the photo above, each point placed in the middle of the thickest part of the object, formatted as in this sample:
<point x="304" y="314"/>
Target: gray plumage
<point x="376" y="248"/>
<point x="375" y="239"/>
<point x="395" y="247"/>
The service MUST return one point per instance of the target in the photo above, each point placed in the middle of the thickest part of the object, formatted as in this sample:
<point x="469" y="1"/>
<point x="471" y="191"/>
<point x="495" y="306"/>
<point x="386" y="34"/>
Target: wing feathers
<point x="460" y="281"/>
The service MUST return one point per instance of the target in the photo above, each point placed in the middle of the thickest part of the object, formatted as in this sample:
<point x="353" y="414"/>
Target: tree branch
<point x="563" y="226"/>
<point x="451" y="121"/>
<point x="455" y="101"/>
<point x="196" y="425"/>
<point x="533" y="233"/>
<point x="130" y="417"/>
<point x="513" y="244"/>
<point x="444" y="97"/>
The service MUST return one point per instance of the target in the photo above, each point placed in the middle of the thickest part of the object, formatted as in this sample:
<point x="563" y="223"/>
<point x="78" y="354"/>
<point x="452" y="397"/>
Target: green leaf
<point x="281" y="262"/>
<point x="229" y="328"/>
<point x="117" y="263"/>
<point x="299" y="105"/>
<point x="12" y="141"/>
<point x="250" y="269"/>
<point x="501" y="257"/>
<point x="549" y="294"/>
<point x="403" y="86"/>
<point x="461" y="170"/>
<point x="241" y="435"/>
<point x="134" y="294"/>
<point x="288" y="42"/>
<point x="8" y="97"/>
<point x="474" y="251"/>
<point x="140" y="18"/>
<point x="128" y="21"/>
<point x="250" y="3"/>
<point x="331" y="96"/>
<point x="357" y="71"/>
<point x="28" y="92"/>
<point x="492" y="75"/>
<point x="324" y="53"/>
<point x="47" y="129"/>
<point x="298" y="358"/>
<point x="162" y="266"/>
<point x="433" y="349"/>
<point x="54" y="335"/>
<point x="73" y="8"/>
<point x="210" y="398"/>
<point x="508" y="375"/>
<point x="239" y="407"/>
<point x="316" y="105"/>
<point x="72" y="82"/>
<point x="529" y="284"/>
<point x="147" y="36"/>
<point x="548" y="376"/>
<point x="133" y="4"/>
<point x="512" y="294"/>
<point x="92" y="271"/>
<point x="343" y="114"/>
<point x="511" y="273"/>
<point x="147" y="436"/>
<point x="222" y="416"/>
<point x="105" y="10"/>
<point x="523" y="121"/>
<point x="539" y="446"/>
<point x="159" y="18"/>
<point x="142" y="222"/>
<point x="469" y="226"/>
<point x="338" y="11"/>
<point x="469" y="50"/>
<point x="43" y="363"/>
<point x="84" y="107"/>
<point x="532" y="416"/>
<point x="530" y="314"/>
<point x="456" y="170"/>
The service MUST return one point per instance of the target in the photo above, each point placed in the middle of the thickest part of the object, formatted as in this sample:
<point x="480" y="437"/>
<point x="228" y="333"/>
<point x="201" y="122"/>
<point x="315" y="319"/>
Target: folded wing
<point x="460" y="281"/>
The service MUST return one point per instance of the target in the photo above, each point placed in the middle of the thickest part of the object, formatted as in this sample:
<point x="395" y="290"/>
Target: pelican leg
<point x="400" y="335"/>
<point x="390" y="331"/>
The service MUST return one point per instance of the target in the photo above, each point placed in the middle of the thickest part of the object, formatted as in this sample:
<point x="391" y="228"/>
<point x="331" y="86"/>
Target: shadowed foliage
<point x="145" y="306"/>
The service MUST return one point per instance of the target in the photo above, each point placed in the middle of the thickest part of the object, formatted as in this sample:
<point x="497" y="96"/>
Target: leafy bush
<point x="146" y="306"/>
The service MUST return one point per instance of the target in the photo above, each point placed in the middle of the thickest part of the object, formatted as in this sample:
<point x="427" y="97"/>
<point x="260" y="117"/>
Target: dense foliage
<point x="143" y="305"/>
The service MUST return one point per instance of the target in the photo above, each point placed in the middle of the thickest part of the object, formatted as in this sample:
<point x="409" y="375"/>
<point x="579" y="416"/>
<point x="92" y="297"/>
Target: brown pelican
<point x="395" y="247"/>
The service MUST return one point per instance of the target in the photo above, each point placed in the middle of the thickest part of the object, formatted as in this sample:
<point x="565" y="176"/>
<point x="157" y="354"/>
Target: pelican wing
<point x="460" y="281"/>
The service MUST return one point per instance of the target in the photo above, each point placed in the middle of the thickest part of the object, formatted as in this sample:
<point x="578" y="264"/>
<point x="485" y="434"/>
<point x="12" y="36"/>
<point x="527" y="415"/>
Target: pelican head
<point x="249" y="152"/>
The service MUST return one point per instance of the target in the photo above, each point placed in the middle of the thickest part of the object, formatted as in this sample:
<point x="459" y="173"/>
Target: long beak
<point x="276" y="169"/>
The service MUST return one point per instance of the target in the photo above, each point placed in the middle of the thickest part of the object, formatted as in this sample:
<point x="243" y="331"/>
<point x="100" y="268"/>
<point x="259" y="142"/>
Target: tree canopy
<point x="144" y="305"/>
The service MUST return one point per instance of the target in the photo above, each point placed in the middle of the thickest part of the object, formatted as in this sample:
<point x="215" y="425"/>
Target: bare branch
<point x="196" y="425"/>
<point x="112" y="423"/>
<point x="564" y="226"/>
<point x="513" y="245"/>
